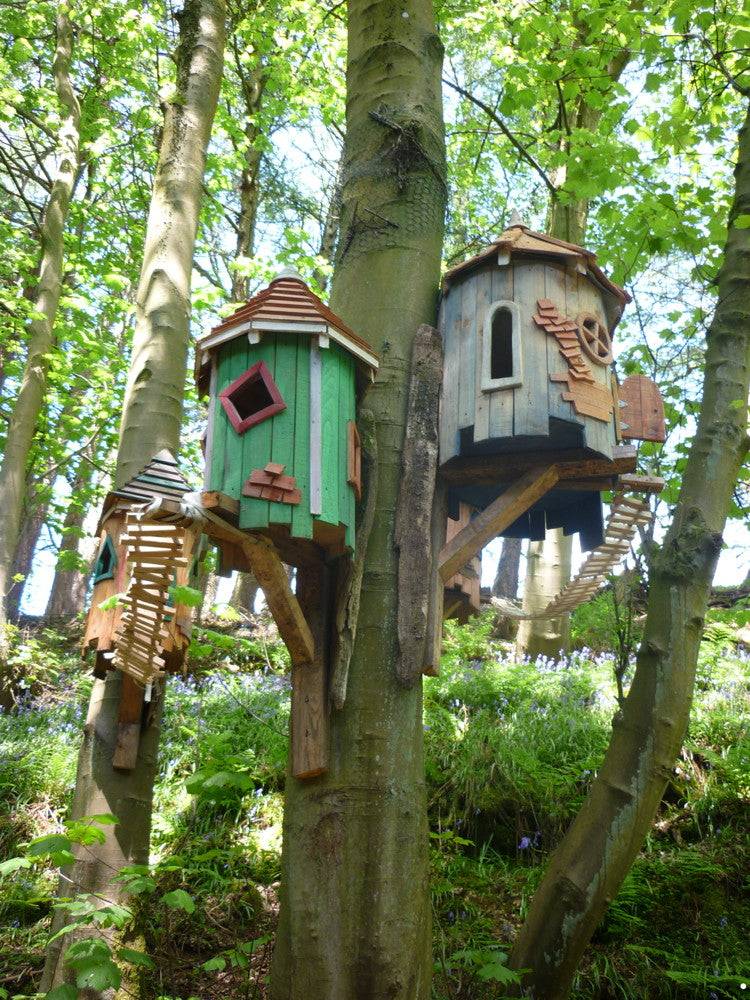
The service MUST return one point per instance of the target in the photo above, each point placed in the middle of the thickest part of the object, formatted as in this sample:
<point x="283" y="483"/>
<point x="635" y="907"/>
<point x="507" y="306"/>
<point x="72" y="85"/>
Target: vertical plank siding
<point x="482" y="400"/>
<point x="316" y="434"/>
<point x="282" y="424"/>
<point x="256" y="446"/>
<point x="302" y="522"/>
<point x="530" y="416"/>
<point x="449" y="405"/>
<point x="330" y="418"/>
<point x="501" y="403"/>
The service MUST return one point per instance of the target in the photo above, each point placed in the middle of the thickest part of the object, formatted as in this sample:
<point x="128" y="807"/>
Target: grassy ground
<point x="511" y="749"/>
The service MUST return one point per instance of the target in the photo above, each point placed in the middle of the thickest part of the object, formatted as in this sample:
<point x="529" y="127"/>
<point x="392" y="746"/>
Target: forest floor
<point x="511" y="749"/>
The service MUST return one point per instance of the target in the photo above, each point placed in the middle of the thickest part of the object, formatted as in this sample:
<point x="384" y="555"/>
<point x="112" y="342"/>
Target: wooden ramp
<point x="625" y="517"/>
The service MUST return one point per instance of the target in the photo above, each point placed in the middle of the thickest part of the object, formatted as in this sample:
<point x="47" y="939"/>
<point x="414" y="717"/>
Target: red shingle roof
<point x="288" y="298"/>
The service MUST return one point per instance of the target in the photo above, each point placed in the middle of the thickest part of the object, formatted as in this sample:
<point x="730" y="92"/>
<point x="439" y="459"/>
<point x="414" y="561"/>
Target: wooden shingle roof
<point x="287" y="300"/>
<point x="160" y="478"/>
<point x="519" y="240"/>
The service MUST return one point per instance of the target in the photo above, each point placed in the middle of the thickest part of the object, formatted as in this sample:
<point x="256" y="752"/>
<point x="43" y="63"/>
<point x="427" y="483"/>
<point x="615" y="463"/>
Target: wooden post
<point x="310" y="722"/>
<point x="128" y="725"/>
<point x="494" y="519"/>
<point x="436" y="611"/>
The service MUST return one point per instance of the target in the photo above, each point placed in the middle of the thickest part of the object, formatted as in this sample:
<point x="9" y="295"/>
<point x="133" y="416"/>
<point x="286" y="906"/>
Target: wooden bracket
<point x="269" y="571"/>
<point x="493" y="520"/>
<point x="310" y="715"/>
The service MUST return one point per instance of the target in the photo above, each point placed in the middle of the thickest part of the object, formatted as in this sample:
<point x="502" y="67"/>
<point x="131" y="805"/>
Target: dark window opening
<point x="106" y="561"/>
<point x="501" y="356"/>
<point x="251" y="397"/>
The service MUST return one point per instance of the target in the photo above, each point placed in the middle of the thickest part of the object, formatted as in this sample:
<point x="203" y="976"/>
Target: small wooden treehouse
<point x="282" y="374"/>
<point x="160" y="479"/>
<point x="527" y="329"/>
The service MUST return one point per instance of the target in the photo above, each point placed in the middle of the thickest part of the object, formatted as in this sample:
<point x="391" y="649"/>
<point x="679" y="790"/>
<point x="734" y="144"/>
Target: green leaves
<point x="188" y="596"/>
<point x="178" y="899"/>
<point x="91" y="959"/>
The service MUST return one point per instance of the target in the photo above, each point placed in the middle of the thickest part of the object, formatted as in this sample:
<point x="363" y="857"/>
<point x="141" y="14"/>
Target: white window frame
<point x="490" y="384"/>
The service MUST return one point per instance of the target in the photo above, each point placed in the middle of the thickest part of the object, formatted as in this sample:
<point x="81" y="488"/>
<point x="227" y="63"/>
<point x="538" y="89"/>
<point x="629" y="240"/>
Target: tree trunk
<point x="355" y="910"/>
<point x="329" y="236"/>
<point x="69" y="584"/>
<point x="23" y="559"/>
<point x="252" y="85"/>
<point x="152" y="408"/>
<point x="23" y="420"/>
<point x="547" y="571"/>
<point x="549" y="561"/>
<point x="151" y="421"/>
<point x="508" y="565"/>
<point x="244" y="593"/>
<point x="588" y="868"/>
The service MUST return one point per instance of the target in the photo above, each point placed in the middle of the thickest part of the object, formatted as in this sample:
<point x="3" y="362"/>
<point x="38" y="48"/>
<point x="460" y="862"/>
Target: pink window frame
<point x="278" y="404"/>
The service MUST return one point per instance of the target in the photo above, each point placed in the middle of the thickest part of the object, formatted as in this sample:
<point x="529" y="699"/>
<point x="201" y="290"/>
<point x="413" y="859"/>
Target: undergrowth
<point x="511" y="750"/>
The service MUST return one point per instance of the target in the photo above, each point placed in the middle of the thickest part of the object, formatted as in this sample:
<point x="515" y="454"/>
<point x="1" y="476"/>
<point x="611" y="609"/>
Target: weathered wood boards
<point x="310" y="717"/>
<point x="414" y="508"/>
<point x="493" y="520"/>
<point x="642" y="416"/>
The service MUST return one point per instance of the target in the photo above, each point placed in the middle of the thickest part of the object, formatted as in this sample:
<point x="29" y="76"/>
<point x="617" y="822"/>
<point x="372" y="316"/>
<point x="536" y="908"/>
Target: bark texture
<point x="28" y="404"/>
<point x="588" y="868"/>
<point x="508" y="565"/>
<point x="69" y="585"/>
<point x="152" y="409"/>
<point x="355" y="912"/>
<point x="244" y="592"/>
<point x="23" y="560"/>
<point x="151" y="421"/>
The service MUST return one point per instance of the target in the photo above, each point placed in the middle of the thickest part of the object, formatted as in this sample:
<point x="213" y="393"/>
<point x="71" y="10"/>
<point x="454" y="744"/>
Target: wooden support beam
<point x="494" y="519"/>
<point x="220" y="503"/>
<point x="413" y="528"/>
<point x="571" y="463"/>
<point x="129" y="713"/>
<point x="269" y="571"/>
<point x="310" y="716"/>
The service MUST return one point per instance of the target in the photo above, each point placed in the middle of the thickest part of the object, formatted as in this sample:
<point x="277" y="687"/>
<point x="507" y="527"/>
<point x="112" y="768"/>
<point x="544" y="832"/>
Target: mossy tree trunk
<point x="588" y="868"/>
<point x="28" y="403"/>
<point x="151" y="421"/>
<point x="355" y="911"/>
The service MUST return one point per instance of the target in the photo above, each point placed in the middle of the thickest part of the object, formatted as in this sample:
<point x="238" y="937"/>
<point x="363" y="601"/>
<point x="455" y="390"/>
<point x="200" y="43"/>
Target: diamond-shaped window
<point x="251" y="398"/>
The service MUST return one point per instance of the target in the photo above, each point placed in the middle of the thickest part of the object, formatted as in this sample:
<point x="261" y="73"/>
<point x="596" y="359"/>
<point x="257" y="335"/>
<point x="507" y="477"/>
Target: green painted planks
<point x="227" y="448"/>
<point x="346" y="413"/>
<point x="331" y="358"/>
<point x="256" y="449"/>
<point x="282" y="425"/>
<point x="302" y="522"/>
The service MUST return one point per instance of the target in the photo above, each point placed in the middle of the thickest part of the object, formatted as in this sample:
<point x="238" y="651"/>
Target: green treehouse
<point x="282" y="374"/>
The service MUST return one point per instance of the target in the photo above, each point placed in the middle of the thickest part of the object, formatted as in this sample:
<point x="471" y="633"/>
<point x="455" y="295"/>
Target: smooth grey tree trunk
<point x="355" y="906"/>
<point x="151" y="421"/>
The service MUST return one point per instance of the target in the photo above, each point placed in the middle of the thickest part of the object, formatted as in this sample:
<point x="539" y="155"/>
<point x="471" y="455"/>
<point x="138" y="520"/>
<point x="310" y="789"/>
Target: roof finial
<point x="289" y="272"/>
<point x="515" y="218"/>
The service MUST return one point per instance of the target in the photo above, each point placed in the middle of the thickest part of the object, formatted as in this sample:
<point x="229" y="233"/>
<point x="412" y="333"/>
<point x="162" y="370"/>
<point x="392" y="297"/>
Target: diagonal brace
<point x="496" y="518"/>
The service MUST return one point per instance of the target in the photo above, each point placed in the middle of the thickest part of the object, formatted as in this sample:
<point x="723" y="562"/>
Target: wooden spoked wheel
<point x="595" y="339"/>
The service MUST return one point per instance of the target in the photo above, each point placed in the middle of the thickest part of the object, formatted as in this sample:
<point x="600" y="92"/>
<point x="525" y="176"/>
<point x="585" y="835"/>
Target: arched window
<point x="501" y="347"/>
<point x="106" y="561"/>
